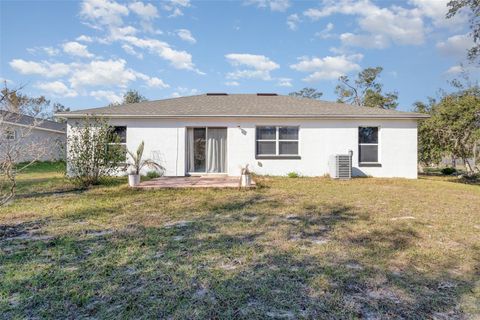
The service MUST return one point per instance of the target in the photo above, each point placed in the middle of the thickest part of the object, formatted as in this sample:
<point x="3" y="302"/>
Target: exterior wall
<point x="318" y="139"/>
<point x="50" y="144"/>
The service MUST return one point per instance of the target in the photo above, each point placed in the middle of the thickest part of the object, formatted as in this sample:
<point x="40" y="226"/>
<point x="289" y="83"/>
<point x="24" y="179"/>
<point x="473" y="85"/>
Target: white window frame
<point x="369" y="144"/>
<point x="121" y="143"/>
<point x="277" y="141"/>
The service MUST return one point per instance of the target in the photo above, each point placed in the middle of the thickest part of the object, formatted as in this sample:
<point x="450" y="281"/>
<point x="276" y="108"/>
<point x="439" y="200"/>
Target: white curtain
<point x="216" y="149"/>
<point x="190" y="150"/>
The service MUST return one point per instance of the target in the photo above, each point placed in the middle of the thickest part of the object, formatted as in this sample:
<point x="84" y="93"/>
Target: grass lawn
<point x="292" y="248"/>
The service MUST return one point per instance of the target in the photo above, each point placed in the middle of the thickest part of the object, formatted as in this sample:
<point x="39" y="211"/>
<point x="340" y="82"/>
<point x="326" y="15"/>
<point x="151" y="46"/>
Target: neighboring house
<point x="275" y="135"/>
<point x="36" y="139"/>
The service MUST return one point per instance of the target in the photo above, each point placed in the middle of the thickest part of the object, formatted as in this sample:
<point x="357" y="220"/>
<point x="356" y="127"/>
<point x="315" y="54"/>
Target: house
<point x="31" y="138"/>
<point x="218" y="133"/>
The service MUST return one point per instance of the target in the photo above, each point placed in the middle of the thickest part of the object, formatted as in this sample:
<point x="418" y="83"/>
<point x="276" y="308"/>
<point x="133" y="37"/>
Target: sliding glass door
<point x="206" y="150"/>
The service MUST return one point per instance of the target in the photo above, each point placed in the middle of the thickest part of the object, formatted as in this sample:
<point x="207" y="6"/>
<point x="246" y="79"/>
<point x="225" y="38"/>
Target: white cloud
<point x="327" y="68"/>
<point x="84" y="38"/>
<point x="232" y="83"/>
<point x="156" y="82"/>
<point x="326" y="32"/>
<point x="176" y="7"/>
<point x="472" y="70"/>
<point x="119" y="33"/>
<point x="178" y="59"/>
<point x="386" y="25"/>
<point x="258" y="66"/>
<point x="292" y="21"/>
<point x="457" y="69"/>
<point x="103" y="12"/>
<point x="437" y="10"/>
<point x="181" y="92"/>
<point x="376" y="41"/>
<point x="259" y="62"/>
<point x="108" y="95"/>
<point x="284" y="82"/>
<point x="102" y="73"/>
<point x="108" y="15"/>
<point x="77" y="49"/>
<point x="129" y="49"/>
<point x="50" y="51"/>
<point x="456" y="46"/>
<point x="186" y="35"/>
<point x="145" y="11"/>
<point x="274" y="5"/>
<point x="152" y="82"/>
<point x="56" y="88"/>
<point x="46" y="69"/>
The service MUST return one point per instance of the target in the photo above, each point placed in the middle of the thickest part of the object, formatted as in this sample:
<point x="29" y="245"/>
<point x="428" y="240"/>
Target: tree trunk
<point x="468" y="167"/>
<point x="475" y="150"/>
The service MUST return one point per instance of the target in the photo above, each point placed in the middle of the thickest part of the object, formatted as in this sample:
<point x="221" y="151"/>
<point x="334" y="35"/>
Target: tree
<point x="93" y="152"/>
<point x="57" y="108"/>
<point x="365" y="90"/>
<point x="14" y="101"/>
<point x="17" y="142"/>
<point x="453" y="128"/>
<point x="457" y="6"/>
<point x="131" y="96"/>
<point x="309" y="93"/>
<point x="429" y="150"/>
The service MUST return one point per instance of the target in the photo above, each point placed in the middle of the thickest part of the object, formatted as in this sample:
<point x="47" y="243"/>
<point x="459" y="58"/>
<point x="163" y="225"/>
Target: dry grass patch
<point x="292" y="248"/>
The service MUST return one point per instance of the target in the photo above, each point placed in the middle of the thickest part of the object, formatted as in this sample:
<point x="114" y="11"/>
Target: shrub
<point x="93" y="152"/>
<point x="293" y="175"/>
<point x="448" y="171"/>
<point x="153" y="174"/>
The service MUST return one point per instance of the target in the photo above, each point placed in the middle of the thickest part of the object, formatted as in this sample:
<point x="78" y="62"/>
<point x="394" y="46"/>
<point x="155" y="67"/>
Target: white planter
<point x="245" y="180"/>
<point x="133" y="180"/>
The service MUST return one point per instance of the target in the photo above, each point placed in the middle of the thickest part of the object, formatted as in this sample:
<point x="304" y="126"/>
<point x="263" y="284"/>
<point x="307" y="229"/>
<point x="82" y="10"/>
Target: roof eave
<point x="325" y="116"/>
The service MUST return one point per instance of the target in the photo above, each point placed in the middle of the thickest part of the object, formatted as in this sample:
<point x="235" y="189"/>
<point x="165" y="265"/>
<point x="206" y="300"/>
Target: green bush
<point x="448" y="171"/>
<point x="293" y="175"/>
<point x="94" y="152"/>
<point x="153" y="174"/>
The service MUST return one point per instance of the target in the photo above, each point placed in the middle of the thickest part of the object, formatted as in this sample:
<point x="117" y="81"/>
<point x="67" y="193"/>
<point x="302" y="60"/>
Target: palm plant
<point x="138" y="162"/>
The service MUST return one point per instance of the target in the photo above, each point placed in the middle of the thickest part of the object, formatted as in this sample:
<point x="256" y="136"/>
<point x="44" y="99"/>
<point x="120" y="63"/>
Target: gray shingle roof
<point x="25" y="120"/>
<point x="240" y="105"/>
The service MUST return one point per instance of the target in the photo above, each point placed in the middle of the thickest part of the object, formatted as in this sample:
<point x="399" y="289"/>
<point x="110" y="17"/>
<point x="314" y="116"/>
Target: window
<point x="277" y="141"/>
<point x="10" y="134"/>
<point x="368" y="144"/>
<point x="118" y="142"/>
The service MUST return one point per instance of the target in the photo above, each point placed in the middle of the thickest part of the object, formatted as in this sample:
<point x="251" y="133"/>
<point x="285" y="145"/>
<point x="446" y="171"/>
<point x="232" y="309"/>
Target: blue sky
<point x="87" y="53"/>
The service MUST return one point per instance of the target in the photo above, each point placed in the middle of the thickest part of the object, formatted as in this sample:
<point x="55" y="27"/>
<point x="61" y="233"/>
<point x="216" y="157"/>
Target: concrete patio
<point x="192" y="182"/>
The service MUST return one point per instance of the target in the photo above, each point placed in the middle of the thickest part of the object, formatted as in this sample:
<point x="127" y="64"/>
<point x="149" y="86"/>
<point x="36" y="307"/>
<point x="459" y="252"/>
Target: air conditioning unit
<point x="340" y="166"/>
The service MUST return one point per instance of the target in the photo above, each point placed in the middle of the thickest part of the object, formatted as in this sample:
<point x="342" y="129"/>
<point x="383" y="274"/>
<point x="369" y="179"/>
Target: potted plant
<point x="246" y="177"/>
<point x="136" y="165"/>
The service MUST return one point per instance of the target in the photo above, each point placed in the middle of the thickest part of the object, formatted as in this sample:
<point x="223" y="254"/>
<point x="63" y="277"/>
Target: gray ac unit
<point x="340" y="166"/>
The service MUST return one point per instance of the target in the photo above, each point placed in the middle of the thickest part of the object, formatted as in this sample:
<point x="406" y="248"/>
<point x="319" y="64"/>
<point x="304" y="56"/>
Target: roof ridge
<point x="240" y="105"/>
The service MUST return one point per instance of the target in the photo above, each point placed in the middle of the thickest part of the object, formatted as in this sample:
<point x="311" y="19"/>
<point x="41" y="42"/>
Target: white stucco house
<point x="220" y="133"/>
<point x="31" y="138"/>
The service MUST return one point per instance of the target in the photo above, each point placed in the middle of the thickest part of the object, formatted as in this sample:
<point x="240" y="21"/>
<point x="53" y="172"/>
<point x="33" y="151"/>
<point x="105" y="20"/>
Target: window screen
<point x="118" y="145"/>
<point x="277" y="141"/>
<point x="368" y="144"/>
